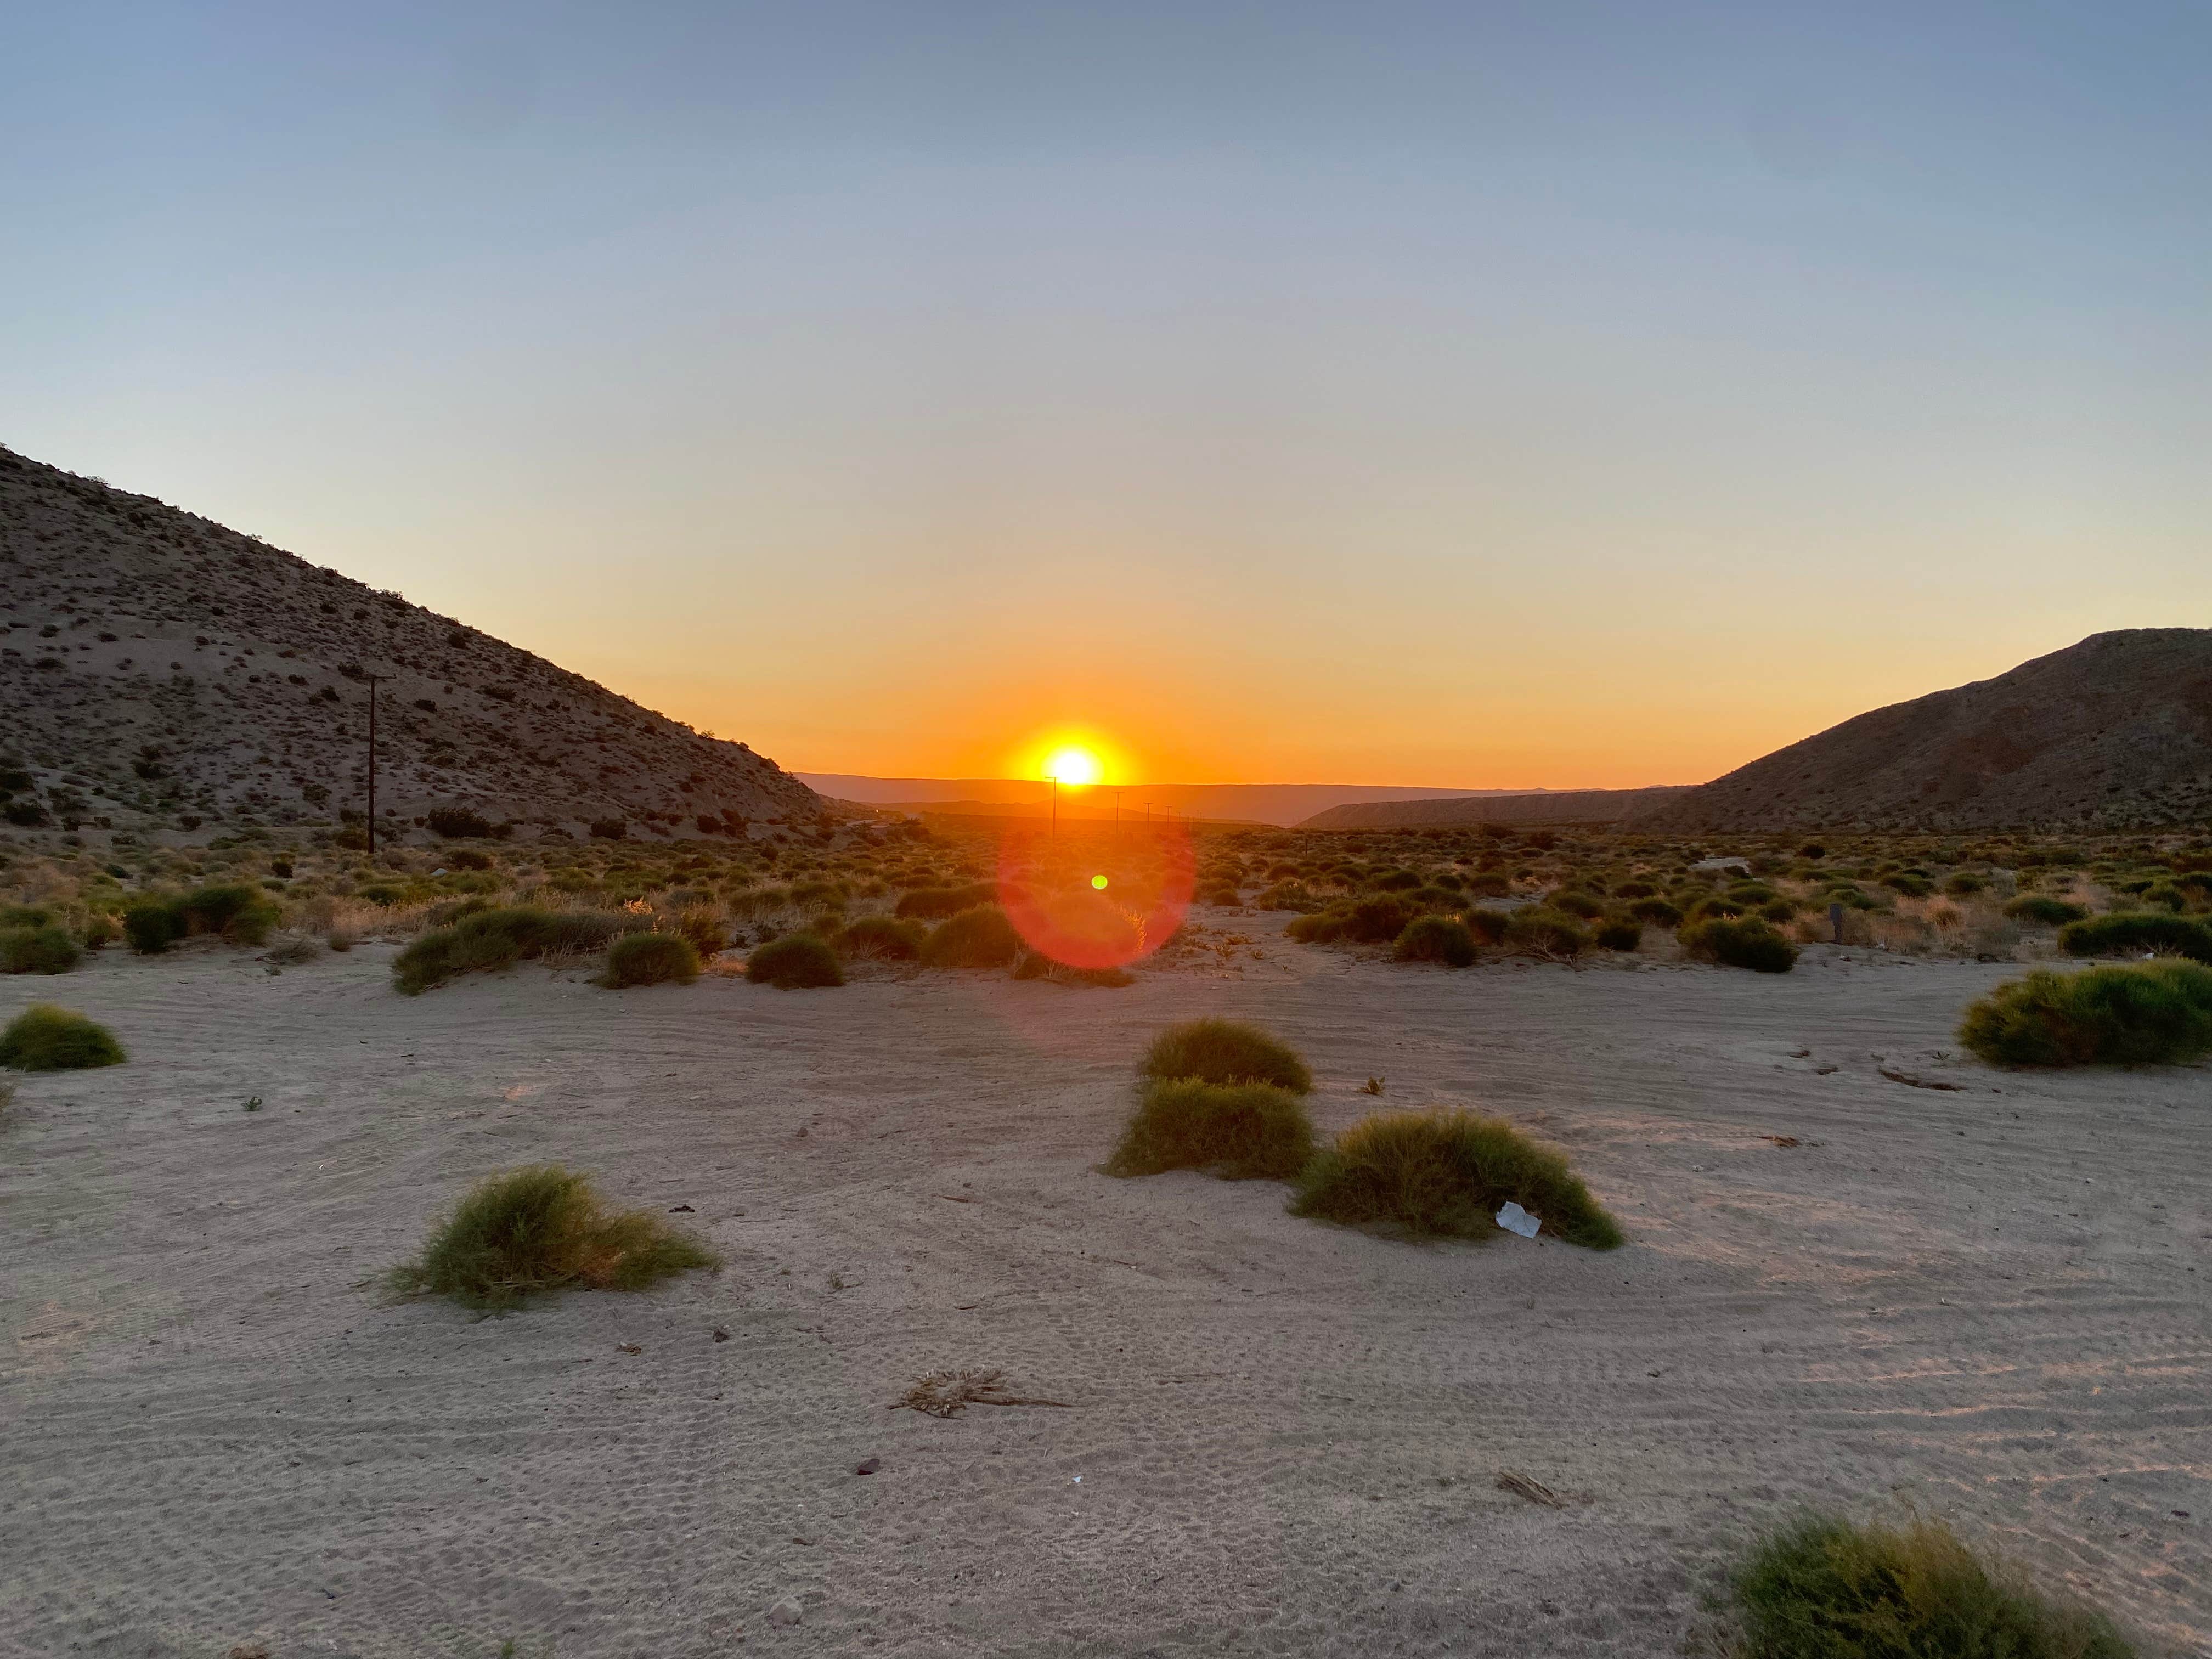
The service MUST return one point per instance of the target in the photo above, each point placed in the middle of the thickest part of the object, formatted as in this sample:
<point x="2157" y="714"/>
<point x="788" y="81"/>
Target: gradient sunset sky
<point x="1462" y="395"/>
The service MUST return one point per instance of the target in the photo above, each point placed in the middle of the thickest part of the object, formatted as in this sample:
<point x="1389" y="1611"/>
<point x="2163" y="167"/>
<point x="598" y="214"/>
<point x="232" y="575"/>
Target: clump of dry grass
<point x="1446" y="1174"/>
<point x="1215" y="1050"/>
<point x="541" y="1229"/>
<point x="1826" y="1588"/>
<point x="1239" y="1130"/>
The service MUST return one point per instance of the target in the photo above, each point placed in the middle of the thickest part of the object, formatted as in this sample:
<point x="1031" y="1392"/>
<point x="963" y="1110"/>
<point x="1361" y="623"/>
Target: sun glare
<point x="1073" y="765"/>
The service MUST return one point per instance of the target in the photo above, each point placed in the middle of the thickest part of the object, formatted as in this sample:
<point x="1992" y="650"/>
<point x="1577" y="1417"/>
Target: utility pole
<point x="373" y="680"/>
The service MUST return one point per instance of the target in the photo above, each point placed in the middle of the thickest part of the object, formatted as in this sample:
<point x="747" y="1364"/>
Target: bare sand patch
<point x="1280" y="1436"/>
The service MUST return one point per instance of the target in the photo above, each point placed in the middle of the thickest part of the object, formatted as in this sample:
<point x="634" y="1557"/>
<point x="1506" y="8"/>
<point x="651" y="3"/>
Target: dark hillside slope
<point x="159" y="669"/>
<point x="2115" y="733"/>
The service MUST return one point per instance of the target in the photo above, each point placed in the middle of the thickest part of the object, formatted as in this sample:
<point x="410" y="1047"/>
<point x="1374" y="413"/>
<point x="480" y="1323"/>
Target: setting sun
<point x="1073" y="764"/>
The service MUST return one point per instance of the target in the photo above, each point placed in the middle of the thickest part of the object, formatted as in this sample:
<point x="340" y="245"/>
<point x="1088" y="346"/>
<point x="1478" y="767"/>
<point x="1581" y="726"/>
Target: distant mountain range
<point x="1282" y="804"/>
<point x="157" y="670"/>
<point x="1551" y="807"/>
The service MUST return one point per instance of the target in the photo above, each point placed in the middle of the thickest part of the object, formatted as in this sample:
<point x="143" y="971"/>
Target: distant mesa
<point x="1555" y="806"/>
<point x="157" y="670"/>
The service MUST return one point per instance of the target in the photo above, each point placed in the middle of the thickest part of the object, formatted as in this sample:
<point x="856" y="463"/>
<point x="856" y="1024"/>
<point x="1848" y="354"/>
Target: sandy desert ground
<point x="1282" y="1438"/>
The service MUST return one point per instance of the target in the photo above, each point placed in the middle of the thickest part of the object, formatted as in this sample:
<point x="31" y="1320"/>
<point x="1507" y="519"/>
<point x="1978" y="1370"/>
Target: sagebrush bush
<point x="47" y="949"/>
<point x="1826" y="1588"/>
<point x="541" y="1229"/>
<point x="2134" y="1014"/>
<point x="1286" y="896"/>
<point x="935" y="903"/>
<point x="884" y="937"/>
<point x="1372" y="920"/>
<point x="45" y="1038"/>
<point x="1323" y="927"/>
<point x="1446" y="1174"/>
<point x="650" y="959"/>
<point x="2138" y="931"/>
<point x="1546" y="931"/>
<point x="2043" y="909"/>
<point x="798" y="962"/>
<point x="977" y="938"/>
<point x="1488" y="925"/>
<point x="1735" y="942"/>
<point x="240" y="912"/>
<point x="1239" y="1130"/>
<point x="497" y="938"/>
<point x="1574" y="901"/>
<point x="1436" y="939"/>
<point x="453" y="821"/>
<point x="1618" y="932"/>
<point x="1215" y="1050"/>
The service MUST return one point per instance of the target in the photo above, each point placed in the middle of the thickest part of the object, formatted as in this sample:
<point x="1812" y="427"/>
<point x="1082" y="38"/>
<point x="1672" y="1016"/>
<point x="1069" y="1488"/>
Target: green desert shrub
<point x="1826" y="1588"/>
<point x="2165" y="895"/>
<point x="797" y="962"/>
<point x="1446" y="1174"/>
<point x="1572" y="900"/>
<point x="977" y="938"/>
<point x="1965" y="882"/>
<point x="650" y="959"/>
<point x="47" y="949"/>
<point x="884" y="936"/>
<point x="1286" y="896"/>
<point x="1618" y="932"/>
<point x="1239" y="1130"/>
<point x="1735" y="942"/>
<point x="152" y="925"/>
<point x="497" y="938"/>
<point x="1488" y="883"/>
<point x="1538" y="927"/>
<point x="2130" y="1014"/>
<point x="2042" y="908"/>
<point x="1716" y="904"/>
<point x="2138" y="931"/>
<point x="934" y="903"/>
<point x="1324" y="928"/>
<point x="1374" y="920"/>
<point x="1777" y="910"/>
<point x="701" y="926"/>
<point x="543" y="1228"/>
<point x="45" y="1038"/>
<point x="1659" y="912"/>
<point x="1436" y="939"/>
<point x="238" y="910"/>
<point x="1215" y="1050"/>
<point x="1488" y="926"/>
<point x="1908" y="883"/>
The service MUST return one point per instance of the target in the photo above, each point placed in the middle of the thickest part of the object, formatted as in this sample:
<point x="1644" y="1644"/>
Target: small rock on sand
<point x="787" y="1611"/>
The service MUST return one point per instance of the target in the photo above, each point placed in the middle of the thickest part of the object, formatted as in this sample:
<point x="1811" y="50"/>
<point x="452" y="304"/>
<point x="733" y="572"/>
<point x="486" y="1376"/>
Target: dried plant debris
<point x="1530" y="1488"/>
<point x="947" y="1394"/>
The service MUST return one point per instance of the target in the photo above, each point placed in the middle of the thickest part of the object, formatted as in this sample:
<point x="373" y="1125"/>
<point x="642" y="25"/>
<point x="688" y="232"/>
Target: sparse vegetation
<point x="884" y="936"/>
<point x="497" y="938"/>
<point x="650" y="959"/>
<point x="1826" y="1588"/>
<point x="2135" y="1014"/>
<point x="1445" y="1175"/>
<point x="47" y="949"/>
<point x="1436" y="939"/>
<point x="2138" y="931"/>
<point x="1239" y="1130"/>
<point x="1226" y="1051"/>
<point x="797" y="962"/>
<point x="977" y="938"/>
<point x="45" y="1038"/>
<point x="540" y="1229"/>
<point x="1738" y="942"/>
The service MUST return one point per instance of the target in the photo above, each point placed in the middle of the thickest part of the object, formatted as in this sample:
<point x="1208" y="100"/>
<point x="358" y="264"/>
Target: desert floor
<point x="1282" y="1438"/>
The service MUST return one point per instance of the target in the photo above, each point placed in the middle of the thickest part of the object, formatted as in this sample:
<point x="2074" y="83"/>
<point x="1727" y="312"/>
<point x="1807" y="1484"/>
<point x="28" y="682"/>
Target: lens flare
<point x="1054" y="890"/>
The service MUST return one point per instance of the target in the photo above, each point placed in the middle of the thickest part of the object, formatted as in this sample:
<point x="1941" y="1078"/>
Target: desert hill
<point x="1547" y="806"/>
<point x="157" y="668"/>
<point x="2115" y="733"/>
